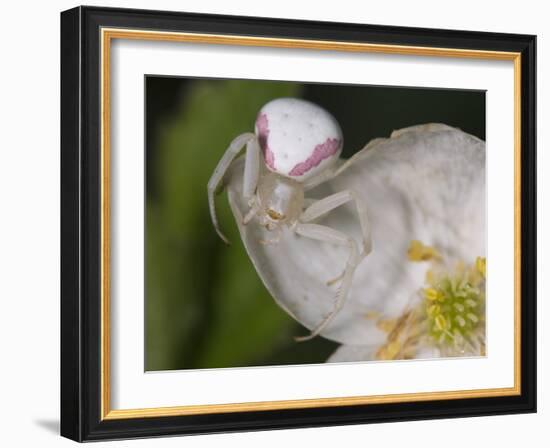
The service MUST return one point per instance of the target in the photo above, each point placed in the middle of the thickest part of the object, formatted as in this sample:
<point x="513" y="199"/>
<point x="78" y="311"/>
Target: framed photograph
<point x="376" y="185"/>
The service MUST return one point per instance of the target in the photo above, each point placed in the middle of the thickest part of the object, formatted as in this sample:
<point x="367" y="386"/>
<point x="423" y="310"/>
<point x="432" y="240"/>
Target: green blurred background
<point x="205" y="305"/>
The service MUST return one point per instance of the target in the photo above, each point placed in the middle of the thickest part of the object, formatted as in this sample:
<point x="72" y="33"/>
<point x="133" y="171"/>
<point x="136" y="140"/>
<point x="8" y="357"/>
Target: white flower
<point x="424" y="184"/>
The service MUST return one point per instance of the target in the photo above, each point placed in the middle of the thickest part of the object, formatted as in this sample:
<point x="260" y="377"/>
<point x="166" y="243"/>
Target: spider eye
<point x="275" y="215"/>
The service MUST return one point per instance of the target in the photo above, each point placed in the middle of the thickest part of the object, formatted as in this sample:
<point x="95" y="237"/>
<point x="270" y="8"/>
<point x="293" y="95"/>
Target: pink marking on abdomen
<point x="320" y="153"/>
<point x="263" y="133"/>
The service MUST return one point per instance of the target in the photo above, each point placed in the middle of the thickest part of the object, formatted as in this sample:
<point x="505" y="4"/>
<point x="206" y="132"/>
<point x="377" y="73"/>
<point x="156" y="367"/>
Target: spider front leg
<point x="329" y="235"/>
<point x="250" y="178"/>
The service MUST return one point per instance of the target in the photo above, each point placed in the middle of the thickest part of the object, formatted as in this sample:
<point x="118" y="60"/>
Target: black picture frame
<point x="81" y="224"/>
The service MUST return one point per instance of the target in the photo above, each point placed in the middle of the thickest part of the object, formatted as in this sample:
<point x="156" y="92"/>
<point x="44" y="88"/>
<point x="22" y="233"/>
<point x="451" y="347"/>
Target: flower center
<point x="454" y="306"/>
<point x="450" y="316"/>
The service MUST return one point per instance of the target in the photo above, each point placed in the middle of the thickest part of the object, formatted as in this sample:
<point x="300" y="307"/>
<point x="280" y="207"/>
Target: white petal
<point x="350" y="353"/>
<point x="359" y="353"/>
<point x="428" y="352"/>
<point x="425" y="183"/>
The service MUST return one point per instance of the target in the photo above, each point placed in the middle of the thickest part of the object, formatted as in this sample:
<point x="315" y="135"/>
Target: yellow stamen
<point x="393" y="348"/>
<point x="432" y="294"/>
<point x="419" y="252"/>
<point x="372" y="315"/>
<point x="481" y="265"/>
<point x="386" y="325"/>
<point x="389" y="351"/>
<point x="434" y="310"/>
<point x="459" y="307"/>
<point x="430" y="277"/>
<point x="440" y="322"/>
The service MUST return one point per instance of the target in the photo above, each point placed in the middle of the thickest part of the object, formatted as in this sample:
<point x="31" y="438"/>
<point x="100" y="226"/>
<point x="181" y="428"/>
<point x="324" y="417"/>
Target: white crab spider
<point x="295" y="147"/>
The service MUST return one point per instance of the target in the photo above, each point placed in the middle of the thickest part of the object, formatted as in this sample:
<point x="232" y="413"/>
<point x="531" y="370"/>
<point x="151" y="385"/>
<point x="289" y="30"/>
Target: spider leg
<point x="251" y="172"/>
<point x="308" y="202"/>
<point x="251" y="169"/>
<point x="329" y="235"/>
<point x="334" y="280"/>
<point x="325" y="205"/>
<point x="251" y="213"/>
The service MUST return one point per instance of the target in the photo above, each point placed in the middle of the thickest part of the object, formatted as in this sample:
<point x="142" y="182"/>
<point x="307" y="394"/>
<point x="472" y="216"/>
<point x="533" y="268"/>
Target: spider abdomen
<point x="298" y="139"/>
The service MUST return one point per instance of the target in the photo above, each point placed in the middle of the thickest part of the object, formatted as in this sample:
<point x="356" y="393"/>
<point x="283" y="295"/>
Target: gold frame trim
<point x="107" y="35"/>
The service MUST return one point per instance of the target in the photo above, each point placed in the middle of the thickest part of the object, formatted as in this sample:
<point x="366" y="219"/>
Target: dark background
<point x="205" y="305"/>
